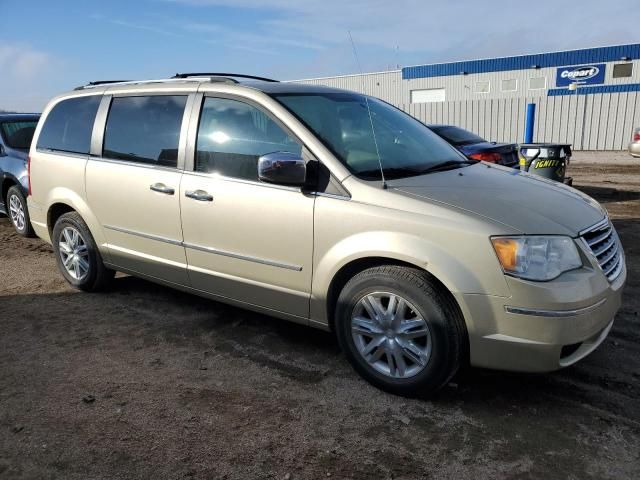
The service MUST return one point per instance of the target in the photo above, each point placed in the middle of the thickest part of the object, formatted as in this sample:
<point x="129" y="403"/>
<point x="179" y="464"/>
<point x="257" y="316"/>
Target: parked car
<point x="330" y="209"/>
<point x="16" y="132"/>
<point x="634" y="146"/>
<point x="476" y="147"/>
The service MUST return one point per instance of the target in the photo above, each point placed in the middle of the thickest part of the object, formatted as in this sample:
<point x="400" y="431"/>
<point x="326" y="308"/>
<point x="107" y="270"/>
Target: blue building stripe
<point x="522" y="62"/>
<point x="629" y="87"/>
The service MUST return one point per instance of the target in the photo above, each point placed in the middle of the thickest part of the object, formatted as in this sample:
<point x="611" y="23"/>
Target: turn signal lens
<point x="507" y="251"/>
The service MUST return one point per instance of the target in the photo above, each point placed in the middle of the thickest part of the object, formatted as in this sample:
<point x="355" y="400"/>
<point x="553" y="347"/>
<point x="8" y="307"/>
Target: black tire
<point x="15" y="194"/>
<point x="437" y="307"/>
<point x="98" y="277"/>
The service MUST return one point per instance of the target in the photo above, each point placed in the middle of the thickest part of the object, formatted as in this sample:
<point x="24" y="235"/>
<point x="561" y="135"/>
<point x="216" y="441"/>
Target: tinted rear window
<point x="145" y="129"/>
<point x="458" y="136"/>
<point x="68" y="126"/>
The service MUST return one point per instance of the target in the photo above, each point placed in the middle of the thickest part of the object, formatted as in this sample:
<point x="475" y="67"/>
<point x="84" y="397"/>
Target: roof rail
<point x="178" y="77"/>
<point x="105" y="82"/>
<point x="227" y="75"/>
<point x="97" y="83"/>
<point x="136" y="82"/>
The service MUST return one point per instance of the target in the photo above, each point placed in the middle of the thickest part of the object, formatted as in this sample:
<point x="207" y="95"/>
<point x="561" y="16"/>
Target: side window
<point x="69" y="124"/>
<point x="144" y="129"/>
<point x="232" y="135"/>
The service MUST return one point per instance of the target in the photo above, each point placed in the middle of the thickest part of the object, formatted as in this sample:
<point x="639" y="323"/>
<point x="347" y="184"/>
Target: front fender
<point x="452" y="270"/>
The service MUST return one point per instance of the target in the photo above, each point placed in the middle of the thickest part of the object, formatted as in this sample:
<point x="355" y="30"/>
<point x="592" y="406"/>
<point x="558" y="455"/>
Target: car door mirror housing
<point x="3" y="152"/>
<point x="282" y="168"/>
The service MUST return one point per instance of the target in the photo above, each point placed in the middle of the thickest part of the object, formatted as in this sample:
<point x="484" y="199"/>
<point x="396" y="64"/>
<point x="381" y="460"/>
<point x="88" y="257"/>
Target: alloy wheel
<point x="74" y="253"/>
<point x="391" y="335"/>
<point x="16" y="211"/>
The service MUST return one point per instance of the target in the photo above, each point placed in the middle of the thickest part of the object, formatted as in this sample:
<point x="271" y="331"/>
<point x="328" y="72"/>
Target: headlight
<point x="536" y="257"/>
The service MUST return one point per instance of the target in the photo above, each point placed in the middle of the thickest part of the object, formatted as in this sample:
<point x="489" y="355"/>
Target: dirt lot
<point x="146" y="382"/>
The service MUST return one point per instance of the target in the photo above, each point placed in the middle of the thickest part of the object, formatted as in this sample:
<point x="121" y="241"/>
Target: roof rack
<point x="179" y="77"/>
<point x="222" y="75"/>
<point x="105" y="82"/>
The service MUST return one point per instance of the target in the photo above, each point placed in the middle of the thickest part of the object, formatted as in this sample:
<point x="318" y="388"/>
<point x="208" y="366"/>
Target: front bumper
<point x="542" y="327"/>
<point x="634" y="149"/>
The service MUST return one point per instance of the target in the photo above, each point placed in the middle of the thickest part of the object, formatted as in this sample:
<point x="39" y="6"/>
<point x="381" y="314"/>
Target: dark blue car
<point x="16" y="132"/>
<point x="476" y="147"/>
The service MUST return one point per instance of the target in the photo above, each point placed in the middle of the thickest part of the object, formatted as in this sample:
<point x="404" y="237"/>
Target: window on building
<point x="145" y="129"/>
<point x="483" y="87"/>
<point x="537" y="83"/>
<point x="69" y="125"/>
<point x="509" y="85"/>
<point x="232" y="135"/>
<point x="622" y="70"/>
<point x="428" y="95"/>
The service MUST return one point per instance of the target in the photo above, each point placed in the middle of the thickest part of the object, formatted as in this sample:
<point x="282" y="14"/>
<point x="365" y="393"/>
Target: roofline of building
<point x="571" y="50"/>
<point x="522" y="62"/>
<point x="503" y="59"/>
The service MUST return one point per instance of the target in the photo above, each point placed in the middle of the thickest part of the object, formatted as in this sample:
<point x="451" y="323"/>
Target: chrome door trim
<point x="184" y="128"/>
<point x="144" y="235"/>
<point x="62" y="153"/>
<point x="239" y="256"/>
<point x="97" y="137"/>
<point x="130" y="163"/>
<point x="214" y="251"/>
<point x="330" y="195"/>
<point x="192" y="132"/>
<point x="217" y="176"/>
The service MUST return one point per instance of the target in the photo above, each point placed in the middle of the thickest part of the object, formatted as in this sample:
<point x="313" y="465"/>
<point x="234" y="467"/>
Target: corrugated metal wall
<point x="608" y="119"/>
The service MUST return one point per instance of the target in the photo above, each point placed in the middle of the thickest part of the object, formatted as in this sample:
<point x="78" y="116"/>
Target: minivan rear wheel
<point x="16" y="205"/>
<point x="77" y="254"/>
<point x="400" y="330"/>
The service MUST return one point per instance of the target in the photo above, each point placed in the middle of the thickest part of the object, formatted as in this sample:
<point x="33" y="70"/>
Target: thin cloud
<point x="23" y="68"/>
<point x="22" y="62"/>
<point x="461" y="29"/>
<point x="135" y="25"/>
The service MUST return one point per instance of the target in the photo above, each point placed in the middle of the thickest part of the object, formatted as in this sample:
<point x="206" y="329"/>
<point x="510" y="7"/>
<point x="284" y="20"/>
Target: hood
<point x="527" y="203"/>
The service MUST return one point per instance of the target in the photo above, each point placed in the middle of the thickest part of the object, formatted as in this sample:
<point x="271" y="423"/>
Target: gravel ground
<point x="147" y="382"/>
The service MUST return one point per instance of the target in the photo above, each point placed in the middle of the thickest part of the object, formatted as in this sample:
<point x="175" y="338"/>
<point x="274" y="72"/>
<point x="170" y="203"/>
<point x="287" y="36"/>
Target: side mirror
<point x="282" y="168"/>
<point x="3" y="153"/>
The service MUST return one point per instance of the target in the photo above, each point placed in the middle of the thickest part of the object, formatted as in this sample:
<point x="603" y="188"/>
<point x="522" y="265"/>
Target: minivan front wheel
<point x="77" y="255"/>
<point x="399" y="330"/>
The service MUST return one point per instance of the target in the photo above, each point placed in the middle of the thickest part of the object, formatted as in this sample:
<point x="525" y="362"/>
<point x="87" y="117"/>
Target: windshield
<point x="341" y="121"/>
<point x="18" y="135"/>
<point x="457" y="136"/>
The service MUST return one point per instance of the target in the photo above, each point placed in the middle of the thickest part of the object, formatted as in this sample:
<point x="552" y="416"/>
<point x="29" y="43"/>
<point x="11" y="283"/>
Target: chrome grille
<point x="603" y="242"/>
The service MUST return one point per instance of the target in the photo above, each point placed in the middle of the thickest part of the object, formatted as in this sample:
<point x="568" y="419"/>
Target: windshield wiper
<point x="448" y="165"/>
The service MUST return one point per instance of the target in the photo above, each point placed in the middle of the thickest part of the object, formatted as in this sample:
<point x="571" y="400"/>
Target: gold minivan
<point x="327" y="208"/>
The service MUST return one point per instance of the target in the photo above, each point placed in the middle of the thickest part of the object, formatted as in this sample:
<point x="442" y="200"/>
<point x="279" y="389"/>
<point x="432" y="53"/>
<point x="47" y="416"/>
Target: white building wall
<point x="608" y="118"/>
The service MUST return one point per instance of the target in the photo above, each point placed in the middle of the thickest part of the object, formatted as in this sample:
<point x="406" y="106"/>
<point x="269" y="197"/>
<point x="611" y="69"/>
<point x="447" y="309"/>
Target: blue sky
<point x="47" y="47"/>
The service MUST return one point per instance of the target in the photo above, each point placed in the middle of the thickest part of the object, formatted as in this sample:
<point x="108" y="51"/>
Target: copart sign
<point x="581" y="74"/>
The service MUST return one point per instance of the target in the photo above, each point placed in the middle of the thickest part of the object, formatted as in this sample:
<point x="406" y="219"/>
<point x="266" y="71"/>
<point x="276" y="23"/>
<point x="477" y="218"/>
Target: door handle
<point x="199" y="195"/>
<point x="162" y="188"/>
